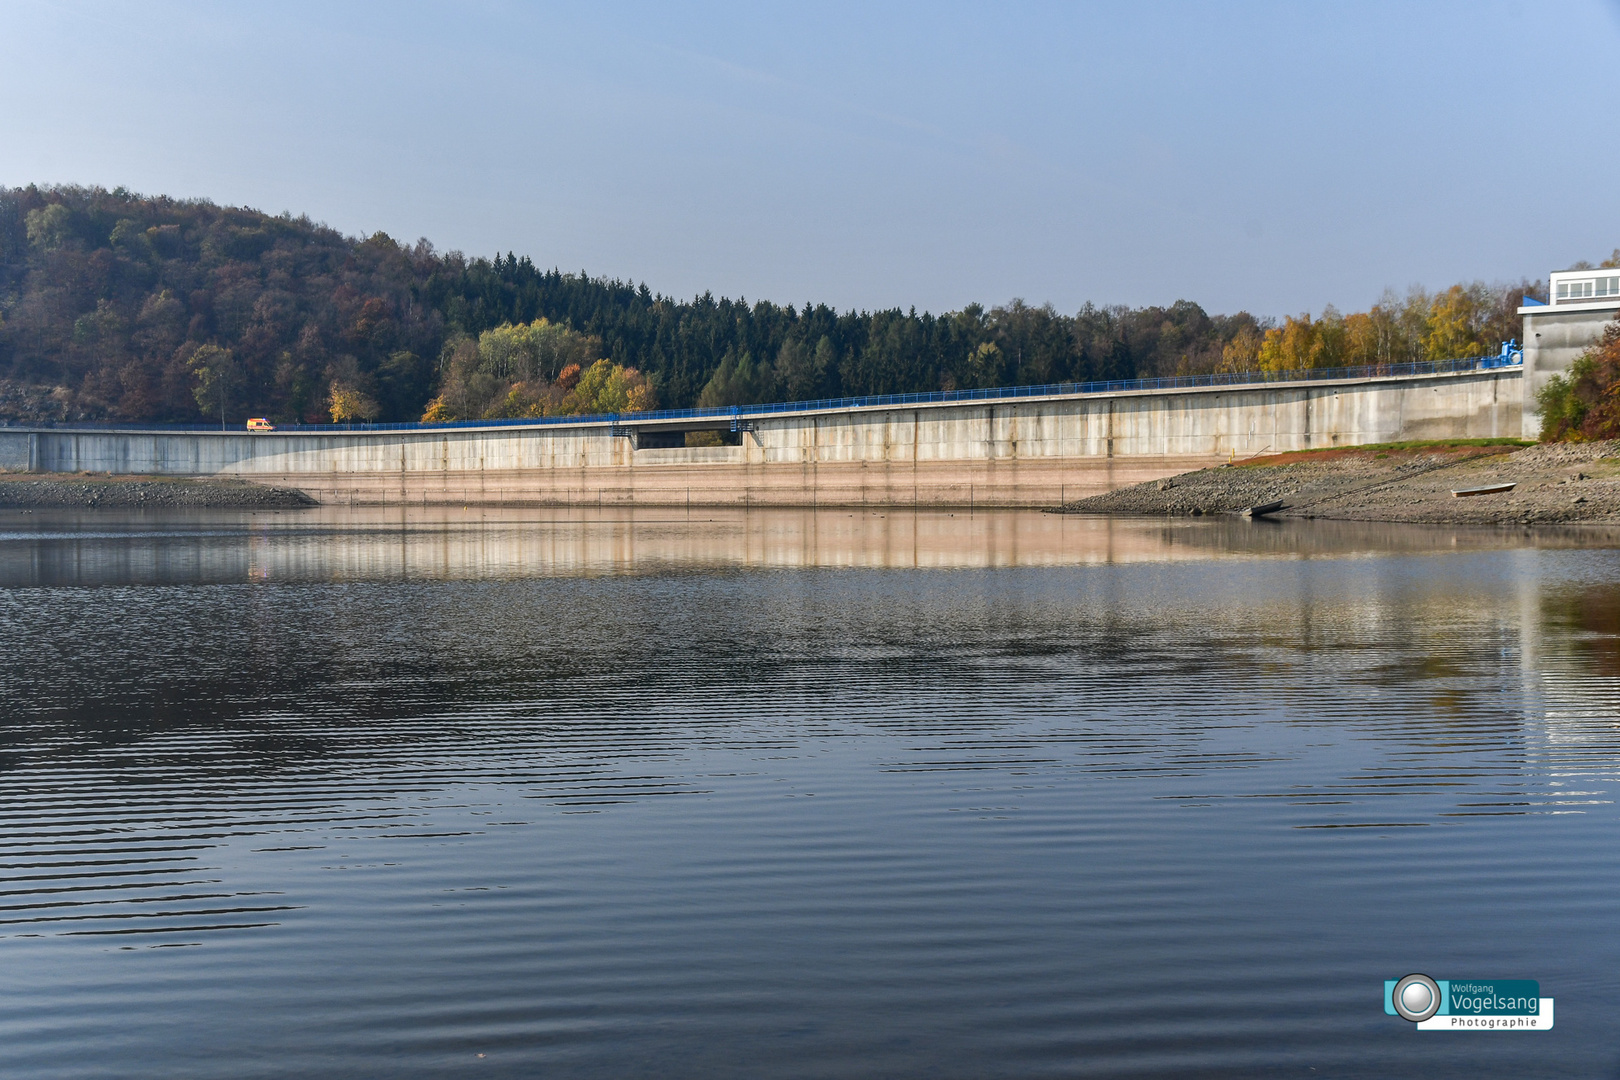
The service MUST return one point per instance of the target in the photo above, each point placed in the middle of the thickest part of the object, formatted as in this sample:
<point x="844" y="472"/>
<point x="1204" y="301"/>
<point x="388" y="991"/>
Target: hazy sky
<point x="1273" y="157"/>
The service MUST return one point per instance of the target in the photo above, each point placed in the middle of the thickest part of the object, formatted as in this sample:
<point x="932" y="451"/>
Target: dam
<point x="1016" y="447"/>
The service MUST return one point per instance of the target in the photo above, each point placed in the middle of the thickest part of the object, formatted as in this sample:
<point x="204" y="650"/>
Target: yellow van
<point x="259" y="423"/>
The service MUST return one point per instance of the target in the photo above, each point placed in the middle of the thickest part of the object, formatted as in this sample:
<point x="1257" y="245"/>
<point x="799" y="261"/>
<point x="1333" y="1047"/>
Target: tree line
<point x="120" y="306"/>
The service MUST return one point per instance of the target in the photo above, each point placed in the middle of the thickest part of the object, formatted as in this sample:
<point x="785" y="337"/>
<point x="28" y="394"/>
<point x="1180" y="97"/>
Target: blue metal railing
<point x="1510" y="356"/>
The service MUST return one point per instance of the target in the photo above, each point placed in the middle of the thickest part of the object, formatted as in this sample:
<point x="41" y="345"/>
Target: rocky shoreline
<point x="1555" y="483"/>
<point x="36" y="491"/>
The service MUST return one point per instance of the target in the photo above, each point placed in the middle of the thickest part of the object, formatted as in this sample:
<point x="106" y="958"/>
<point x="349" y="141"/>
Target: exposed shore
<point x="36" y="491"/>
<point x="1560" y="483"/>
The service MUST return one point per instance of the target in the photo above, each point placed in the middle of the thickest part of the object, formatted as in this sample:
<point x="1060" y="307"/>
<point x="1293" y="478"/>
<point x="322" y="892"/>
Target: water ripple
<point x="711" y="818"/>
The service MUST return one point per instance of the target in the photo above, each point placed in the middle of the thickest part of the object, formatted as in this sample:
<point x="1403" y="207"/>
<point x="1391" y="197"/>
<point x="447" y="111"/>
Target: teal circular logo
<point x="1416" y="997"/>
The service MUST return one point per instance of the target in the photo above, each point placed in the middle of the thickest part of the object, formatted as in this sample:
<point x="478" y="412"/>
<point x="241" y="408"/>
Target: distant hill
<point x="113" y="304"/>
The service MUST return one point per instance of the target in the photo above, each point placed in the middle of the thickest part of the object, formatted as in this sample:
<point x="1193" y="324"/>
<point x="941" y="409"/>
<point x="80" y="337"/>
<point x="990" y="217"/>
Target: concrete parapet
<point x="1023" y="452"/>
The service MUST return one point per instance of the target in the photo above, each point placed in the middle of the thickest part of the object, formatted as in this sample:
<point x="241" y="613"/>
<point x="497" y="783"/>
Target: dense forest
<point x="120" y="306"/>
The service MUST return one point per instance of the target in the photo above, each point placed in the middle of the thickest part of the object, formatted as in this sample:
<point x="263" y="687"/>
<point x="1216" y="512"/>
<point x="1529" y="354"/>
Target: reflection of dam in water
<point x="388" y="543"/>
<point x="1568" y="689"/>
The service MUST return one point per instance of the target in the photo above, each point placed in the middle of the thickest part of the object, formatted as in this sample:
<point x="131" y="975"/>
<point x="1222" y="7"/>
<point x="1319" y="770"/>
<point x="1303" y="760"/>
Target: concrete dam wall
<point x="1023" y="452"/>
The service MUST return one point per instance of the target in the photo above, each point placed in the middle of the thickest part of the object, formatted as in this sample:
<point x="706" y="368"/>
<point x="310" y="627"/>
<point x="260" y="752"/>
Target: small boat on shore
<point x="1263" y="509"/>
<point x="1489" y="489"/>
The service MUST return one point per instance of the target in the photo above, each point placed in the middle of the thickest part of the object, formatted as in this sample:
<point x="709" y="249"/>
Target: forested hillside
<point x="120" y="306"/>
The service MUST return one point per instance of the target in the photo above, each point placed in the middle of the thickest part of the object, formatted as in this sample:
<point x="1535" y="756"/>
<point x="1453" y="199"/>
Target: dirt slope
<point x="1556" y="483"/>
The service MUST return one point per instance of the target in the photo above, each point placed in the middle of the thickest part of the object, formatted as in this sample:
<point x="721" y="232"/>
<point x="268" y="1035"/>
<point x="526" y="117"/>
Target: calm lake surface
<point x="798" y="794"/>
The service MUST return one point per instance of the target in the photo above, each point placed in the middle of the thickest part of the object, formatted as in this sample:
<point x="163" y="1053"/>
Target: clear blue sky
<point x="1273" y="158"/>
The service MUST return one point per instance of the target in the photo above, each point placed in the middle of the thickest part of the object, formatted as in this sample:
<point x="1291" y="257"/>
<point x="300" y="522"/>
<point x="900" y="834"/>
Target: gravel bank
<point x="1556" y="483"/>
<point x="31" y="491"/>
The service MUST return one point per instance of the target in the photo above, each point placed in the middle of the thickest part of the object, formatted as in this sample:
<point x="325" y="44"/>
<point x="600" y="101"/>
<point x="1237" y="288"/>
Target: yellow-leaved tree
<point x="605" y="387"/>
<point x="532" y="370"/>
<point x="534" y="351"/>
<point x="1289" y="347"/>
<point x="349" y="405"/>
<point x="1454" y="325"/>
<point x="1242" y="353"/>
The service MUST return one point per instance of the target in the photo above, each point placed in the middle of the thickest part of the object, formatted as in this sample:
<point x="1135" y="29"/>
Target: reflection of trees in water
<point x="1573" y="664"/>
<point x="1587" y="622"/>
<point x="1577" y="674"/>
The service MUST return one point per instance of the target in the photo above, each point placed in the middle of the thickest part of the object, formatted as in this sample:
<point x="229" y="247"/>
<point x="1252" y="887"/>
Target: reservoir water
<point x="798" y="794"/>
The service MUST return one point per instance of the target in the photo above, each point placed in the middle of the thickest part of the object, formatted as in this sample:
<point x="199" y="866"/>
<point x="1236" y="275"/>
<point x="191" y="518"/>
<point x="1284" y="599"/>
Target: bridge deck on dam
<point x="1027" y="451"/>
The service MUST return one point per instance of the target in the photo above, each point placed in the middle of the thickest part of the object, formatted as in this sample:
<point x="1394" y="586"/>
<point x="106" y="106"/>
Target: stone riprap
<point x="1554" y="483"/>
<point x="32" y="491"/>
